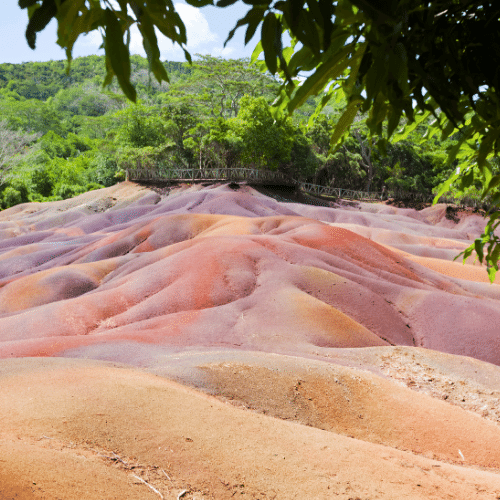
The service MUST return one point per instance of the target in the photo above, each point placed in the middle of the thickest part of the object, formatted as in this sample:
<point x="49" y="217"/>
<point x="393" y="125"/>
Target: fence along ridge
<point x="242" y="174"/>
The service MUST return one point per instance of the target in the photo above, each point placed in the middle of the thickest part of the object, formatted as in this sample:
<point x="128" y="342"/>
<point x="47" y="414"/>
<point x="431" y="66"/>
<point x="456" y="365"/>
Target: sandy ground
<point x="212" y="342"/>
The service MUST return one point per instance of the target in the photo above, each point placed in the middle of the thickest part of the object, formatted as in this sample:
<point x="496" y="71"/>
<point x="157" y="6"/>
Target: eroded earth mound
<point x="212" y="341"/>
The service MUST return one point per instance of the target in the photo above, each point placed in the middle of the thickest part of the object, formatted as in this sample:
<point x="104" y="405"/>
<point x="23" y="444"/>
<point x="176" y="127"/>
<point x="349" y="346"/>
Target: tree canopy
<point x="399" y="61"/>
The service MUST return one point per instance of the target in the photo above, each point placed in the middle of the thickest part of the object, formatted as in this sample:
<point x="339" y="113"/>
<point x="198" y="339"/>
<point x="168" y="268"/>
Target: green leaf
<point x="323" y="74"/>
<point x="169" y="23"/>
<point x="398" y="65"/>
<point x="490" y="226"/>
<point x="73" y="19"/>
<point x="495" y="255"/>
<point x="256" y="52"/>
<point x="453" y="151"/>
<point x="150" y="43"/>
<point x="450" y="127"/>
<point x="302" y="60"/>
<point x="269" y="31"/>
<point x="225" y="3"/>
<point x="307" y="32"/>
<point x="491" y="274"/>
<point x="444" y="187"/>
<point x="478" y="246"/>
<point x="486" y="146"/>
<point x="117" y="53"/>
<point x="467" y="179"/>
<point x="492" y="184"/>
<point x="253" y="18"/>
<point x="486" y="173"/>
<point x="345" y="121"/>
<point x="26" y="3"/>
<point x="199" y="3"/>
<point x="394" y="119"/>
<point x="324" y="101"/>
<point x="253" y="25"/>
<point x="467" y="253"/>
<point x="39" y="20"/>
<point x="408" y="129"/>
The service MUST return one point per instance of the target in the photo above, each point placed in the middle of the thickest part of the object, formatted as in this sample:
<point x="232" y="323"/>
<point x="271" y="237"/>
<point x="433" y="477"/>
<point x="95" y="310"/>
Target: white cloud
<point x="200" y="38"/>
<point x="198" y="30"/>
<point x="221" y="51"/>
<point x="92" y="39"/>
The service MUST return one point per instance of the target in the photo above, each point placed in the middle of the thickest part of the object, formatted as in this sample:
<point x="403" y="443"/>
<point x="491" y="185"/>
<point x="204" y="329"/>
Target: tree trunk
<point x="366" y="154"/>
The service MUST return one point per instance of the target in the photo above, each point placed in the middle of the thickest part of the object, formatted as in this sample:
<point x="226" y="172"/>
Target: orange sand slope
<point x="103" y="431"/>
<point x="299" y="330"/>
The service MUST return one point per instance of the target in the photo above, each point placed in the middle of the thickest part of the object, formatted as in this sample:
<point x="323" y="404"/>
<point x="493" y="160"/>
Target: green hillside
<point x="62" y="133"/>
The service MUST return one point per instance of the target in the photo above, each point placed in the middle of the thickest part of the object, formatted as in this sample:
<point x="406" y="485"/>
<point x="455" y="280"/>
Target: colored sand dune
<point x="312" y="314"/>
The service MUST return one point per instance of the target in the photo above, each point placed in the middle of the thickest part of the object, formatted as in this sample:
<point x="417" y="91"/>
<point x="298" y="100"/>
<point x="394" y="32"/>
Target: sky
<point x="207" y="29"/>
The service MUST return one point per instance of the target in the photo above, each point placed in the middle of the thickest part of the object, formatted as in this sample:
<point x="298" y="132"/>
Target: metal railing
<point x="339" y="192"/>
<point x="208" y="174"/>
<point x="272" y="177"/>
<point x="241" y="174"/>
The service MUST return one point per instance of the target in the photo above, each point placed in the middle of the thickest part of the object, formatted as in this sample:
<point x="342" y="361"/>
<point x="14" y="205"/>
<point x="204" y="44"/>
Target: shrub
<point x="11" y="197"/>
<point x="42" y="181"/>
<point x="92" y="186"/>
<point x="65" y="191"/>
<point x="20" y="186"/>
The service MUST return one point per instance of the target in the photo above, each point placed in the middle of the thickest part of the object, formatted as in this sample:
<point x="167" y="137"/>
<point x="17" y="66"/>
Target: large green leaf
<point x="492" y="270"/>
<point x="445" y="187"/>
<point x="117" y="53"/>
<point x="467" y="180"/>
<point x="252" y="18"/>
<point x="168" y="23"/>
<point x="269" y="33"/>
<point x="74" y="19"/>
<point x="302" y="60"/>
<point x="225" y="3"/>
<point x="256" y="53"/>
<point x="345" y="121"/>
<point x="150" y="44"/>
<point x="478" y="246"/>
<point x="492" y="184"/>
<point x="323" y="75"/>
<point x="26" y="3"/>
<point x="199" y="3"/>
<point x="39" y="20"/>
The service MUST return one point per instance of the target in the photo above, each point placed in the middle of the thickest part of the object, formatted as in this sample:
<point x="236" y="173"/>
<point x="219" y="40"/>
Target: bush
<point x="11" y="197"/>
<point x="65" y="191"/>
<point x="37" y="197"/>
<point x="92" y="186"/>
<point x="120" y="175"/>
<point x="21" y="187"/>
<point x="104" y="167"/>
<point x="42" y="181"/>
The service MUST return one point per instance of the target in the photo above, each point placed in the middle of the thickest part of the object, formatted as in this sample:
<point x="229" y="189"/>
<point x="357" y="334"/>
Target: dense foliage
<point x="213" y="114"/>
<point x="61" y="136"/>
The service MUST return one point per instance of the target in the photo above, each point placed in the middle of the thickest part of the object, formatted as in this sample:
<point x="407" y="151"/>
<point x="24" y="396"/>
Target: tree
<point x="140" y="127"/>
<point x="393" y="59"/>
<point x="267" y="143"/>
<point x="366" y="147"/>
<point x="12" y="145"/>
<point x="222" y="83"/>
